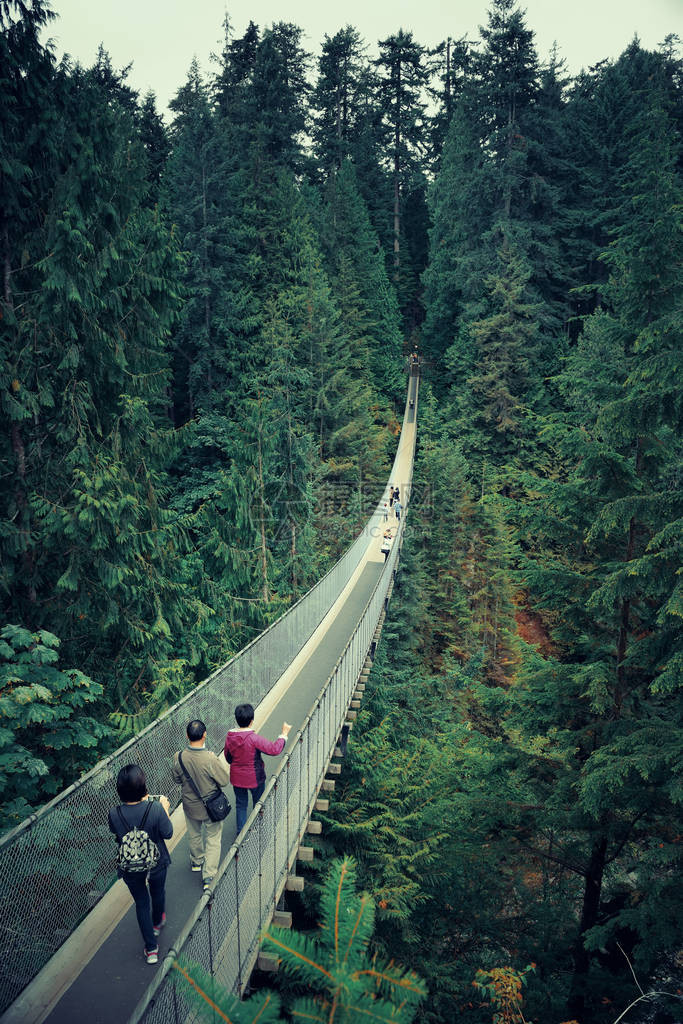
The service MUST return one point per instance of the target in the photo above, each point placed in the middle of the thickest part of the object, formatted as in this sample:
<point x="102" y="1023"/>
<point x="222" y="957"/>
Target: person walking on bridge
<point x="140" y="813"/>
<point x="207" y="772"/>
<point x="243" y="749"/>
<point x="397" y="508"/>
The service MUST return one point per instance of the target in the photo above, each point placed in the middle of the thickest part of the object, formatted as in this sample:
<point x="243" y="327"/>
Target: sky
<point x="161" y="37"/>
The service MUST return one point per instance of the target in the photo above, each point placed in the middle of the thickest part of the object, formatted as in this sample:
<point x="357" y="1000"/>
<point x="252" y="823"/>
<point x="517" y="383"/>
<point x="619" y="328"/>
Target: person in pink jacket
<point x="243" y="749"/>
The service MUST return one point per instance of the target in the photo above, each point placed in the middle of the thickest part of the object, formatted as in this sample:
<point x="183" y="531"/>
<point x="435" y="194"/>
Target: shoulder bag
<point x="217" y="806"/>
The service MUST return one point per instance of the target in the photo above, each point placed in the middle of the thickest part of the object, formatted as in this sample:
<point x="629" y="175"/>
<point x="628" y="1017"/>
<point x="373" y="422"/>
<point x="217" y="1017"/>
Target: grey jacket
<point x="207" y="772"/>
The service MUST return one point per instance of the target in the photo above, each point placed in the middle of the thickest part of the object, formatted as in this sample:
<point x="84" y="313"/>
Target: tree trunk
<point x="291" y="496"/>
<point x="293" y="557"/>
<point x="576" y="1003"/>
<point x="17" y="438"/>
<point x="344" y="128"/>
<point x="397" y="170"/>
<point x="262" y="522"/>
<point x="624" y="624"/>
<point x="6" y="265"/>
<point x="207" y="296"/>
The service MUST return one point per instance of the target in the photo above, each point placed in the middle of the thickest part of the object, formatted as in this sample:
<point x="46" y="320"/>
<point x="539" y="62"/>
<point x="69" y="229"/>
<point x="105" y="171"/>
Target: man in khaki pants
<point x="207" y="773"/>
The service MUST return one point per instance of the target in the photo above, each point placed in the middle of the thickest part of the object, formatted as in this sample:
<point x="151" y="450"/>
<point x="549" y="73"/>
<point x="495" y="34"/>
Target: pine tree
<point x="278" y="94"/>
<point x="155" y="140"/>
<point x="501" y="178"/>
<point x="337" y="403"/>
<point x="292" y="466"/>
<point x="451" y="61"/>
<point x="343" y="79"/>
<point x="425" y="841"/>
<point x="197" y="207"/>
<point x="357" y="273"/>
<point x="603" y="104"/>
<point x="336" y="967"/>
<point x="505" y="343"/>
<point x="236" y="63"/>
<point x="461" y="214"/>
<point x="402" y="79"/>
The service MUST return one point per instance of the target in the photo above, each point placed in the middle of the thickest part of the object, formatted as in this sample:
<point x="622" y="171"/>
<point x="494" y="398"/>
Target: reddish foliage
<point x="532" y="629"/>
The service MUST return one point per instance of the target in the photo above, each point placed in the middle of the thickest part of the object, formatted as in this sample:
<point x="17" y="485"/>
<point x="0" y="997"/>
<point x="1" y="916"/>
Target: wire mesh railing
<point x="224" y="933"/>
<point x="56" y="865"/>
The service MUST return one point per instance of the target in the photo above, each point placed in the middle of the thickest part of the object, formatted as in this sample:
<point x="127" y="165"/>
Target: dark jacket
<point x="158" y="825"/>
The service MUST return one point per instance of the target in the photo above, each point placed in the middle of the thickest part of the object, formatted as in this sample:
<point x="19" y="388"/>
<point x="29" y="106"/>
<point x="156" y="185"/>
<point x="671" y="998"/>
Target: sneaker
<point x="158" y="927"/>
<point x="207" y="884"/>
<point x="195" y="867"/>
<point x="152" y="956"/>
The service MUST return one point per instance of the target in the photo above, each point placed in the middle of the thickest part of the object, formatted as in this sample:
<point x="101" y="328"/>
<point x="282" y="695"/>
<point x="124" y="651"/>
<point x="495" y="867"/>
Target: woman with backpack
<point x="141" y="824"/>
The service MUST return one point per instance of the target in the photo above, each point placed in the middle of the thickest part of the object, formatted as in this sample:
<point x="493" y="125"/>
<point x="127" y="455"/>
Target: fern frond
<point x="208" y="996"/>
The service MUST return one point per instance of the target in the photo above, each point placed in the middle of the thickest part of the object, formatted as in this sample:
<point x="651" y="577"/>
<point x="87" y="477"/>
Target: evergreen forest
<point x="205" y="324"/>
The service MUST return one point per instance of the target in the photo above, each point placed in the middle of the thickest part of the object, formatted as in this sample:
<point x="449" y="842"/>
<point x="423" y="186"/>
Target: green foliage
<point x="465" y="539"/>
<point x="46" y="738"/>
<point x="362" y="290"/>
<point x="336" y="965"/>
<point x="91" y="550"/>
<point x="214" y="1003"/>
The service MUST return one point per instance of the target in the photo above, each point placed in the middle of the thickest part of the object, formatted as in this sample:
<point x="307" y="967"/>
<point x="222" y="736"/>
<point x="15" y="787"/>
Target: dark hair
<point x="131" y="784"/>
<point x="195" y="730"/>
<point x="244" y="715"/>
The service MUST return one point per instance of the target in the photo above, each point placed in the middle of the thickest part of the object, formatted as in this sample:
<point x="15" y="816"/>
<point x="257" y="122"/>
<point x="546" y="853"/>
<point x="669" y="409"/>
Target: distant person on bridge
<point x="397" y="508"/>
<point x="140" y="812"/>
<point x="387" y="541"/>
<point x="208" y="773"/>
<point x="395" y="493"/>
<point x="243" y="749"/>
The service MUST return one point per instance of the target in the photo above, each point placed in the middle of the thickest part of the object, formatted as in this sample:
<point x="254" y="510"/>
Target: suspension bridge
<point x="70" y="947"/>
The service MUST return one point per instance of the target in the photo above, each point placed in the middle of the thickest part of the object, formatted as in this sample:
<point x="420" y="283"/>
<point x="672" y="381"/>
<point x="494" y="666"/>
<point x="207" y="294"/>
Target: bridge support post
<point x="268" y="963"/>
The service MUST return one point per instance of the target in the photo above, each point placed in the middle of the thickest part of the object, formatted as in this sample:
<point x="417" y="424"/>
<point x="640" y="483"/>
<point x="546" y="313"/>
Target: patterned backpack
<point x="137" y="852"/>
